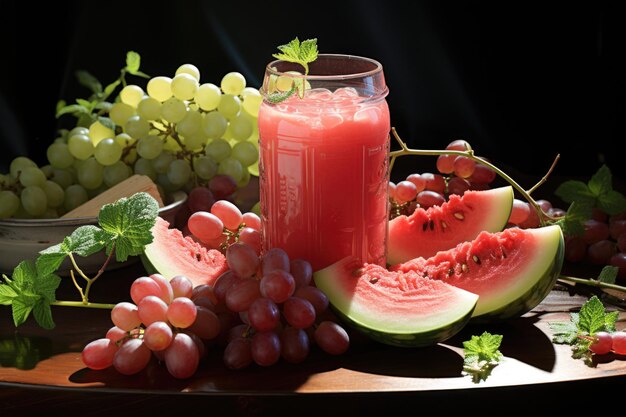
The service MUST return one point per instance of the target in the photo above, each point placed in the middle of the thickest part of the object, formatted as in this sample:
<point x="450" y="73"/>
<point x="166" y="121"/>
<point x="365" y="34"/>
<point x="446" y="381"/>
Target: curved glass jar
<point x="324" y="160"/>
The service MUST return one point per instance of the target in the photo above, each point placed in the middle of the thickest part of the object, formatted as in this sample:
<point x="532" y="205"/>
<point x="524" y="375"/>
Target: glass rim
<point x="377" y="69"/>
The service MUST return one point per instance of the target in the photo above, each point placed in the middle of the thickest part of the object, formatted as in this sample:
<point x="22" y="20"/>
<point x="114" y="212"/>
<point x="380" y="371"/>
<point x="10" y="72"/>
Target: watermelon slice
<point x="399" y="309"/>
<point x="171" y="254"/>
<point x="512" y="271"/>
<point x="460" y="219"/>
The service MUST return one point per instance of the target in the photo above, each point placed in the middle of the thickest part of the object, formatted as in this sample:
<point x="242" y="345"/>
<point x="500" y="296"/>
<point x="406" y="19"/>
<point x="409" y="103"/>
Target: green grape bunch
<point x="176" y="130"/>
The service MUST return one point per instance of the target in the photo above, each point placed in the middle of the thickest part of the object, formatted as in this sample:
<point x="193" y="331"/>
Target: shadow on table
<point x="24" y="352"/>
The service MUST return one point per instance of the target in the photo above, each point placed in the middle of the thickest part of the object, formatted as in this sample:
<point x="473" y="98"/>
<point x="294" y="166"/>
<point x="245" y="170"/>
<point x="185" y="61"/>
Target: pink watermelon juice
<point x="324" y="175"/>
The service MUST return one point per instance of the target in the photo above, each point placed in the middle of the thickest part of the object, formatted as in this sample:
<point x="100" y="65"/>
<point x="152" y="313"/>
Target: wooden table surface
<point x="42" y="370"/>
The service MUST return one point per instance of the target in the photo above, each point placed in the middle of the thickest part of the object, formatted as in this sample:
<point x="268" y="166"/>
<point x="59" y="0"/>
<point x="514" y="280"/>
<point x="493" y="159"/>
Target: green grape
<point x="218" y="149"/>
<point x="165" y="183"/>
<point x="129" y="156"/>
<point x="91" y="193"/>
<point x="173" y="110"/>
<point x="189" y="69"/>
<point x="241" y="126"/>
<point x="59" y="155"/>
<point x="75" y="195"/>
<point x="124" y="140"/>
<point x="252" y="100"/>
<point x="149" y="147"/>
<point x="116" y="173"/>
<point x="233" y="83"/>
<point x="160" y="88"/>
<point x="254" y="169"/>
<point x="89" y="173"/>
<point x="120" y="112"/>
<point x="179" y="172"/>
<point x="9" y="204"/>
<point x="196" y="141"/>
<point x="184" y="86"/>
<point x="131" y="95"/>
<point x="78" y="130"/>
<point x="246" y="153"/>
<point x="232" y="168"/>
<point x="54" y="194"/>
<point x="245" y="179"/>
<point x="18" y="164"/>
<point x="98" y="131"/>
<point x="149" y="109"/>
<point x="214" y="125"/>
<point x="137" y="127"/>
<point x="80" y="146"/>
<point x="208" y="96"/>
<point x="144" y="167"/>
<point x="63" y="177"/>
<point x="34" y="200"/>
<point x="229" y="106"/>
<point x="108" y="152"/>
<point x="284" y="82"/>
<point x="47" y="170"/>
<point x="32" y="176"/>
<point x="205" y="167"/>
<point x="162" y="162"/>
<point x="191" y="123"/>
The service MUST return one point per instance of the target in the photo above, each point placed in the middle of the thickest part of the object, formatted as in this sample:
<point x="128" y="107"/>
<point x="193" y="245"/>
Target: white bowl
<point x="22" y="239"/>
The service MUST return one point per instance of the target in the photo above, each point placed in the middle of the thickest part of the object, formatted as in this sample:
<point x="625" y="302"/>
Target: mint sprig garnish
<point x="481" y="355"/>
<point x="124" y="228"/>
<point x="579" y="331"/>
<point x="302" y="53"/>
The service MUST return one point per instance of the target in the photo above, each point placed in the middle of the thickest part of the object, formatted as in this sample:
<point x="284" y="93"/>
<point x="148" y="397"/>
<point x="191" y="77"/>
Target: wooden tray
<point x="39" y="367"/>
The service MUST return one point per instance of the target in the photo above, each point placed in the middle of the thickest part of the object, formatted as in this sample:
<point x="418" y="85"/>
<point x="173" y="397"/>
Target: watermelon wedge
<point x="395" y="308"/>
<point x="512" y="271"/>
<point x="460" y="219"/>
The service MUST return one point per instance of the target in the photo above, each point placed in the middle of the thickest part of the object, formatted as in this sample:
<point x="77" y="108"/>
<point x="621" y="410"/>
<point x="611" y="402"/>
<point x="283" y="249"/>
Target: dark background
<point x="521" y="81"/>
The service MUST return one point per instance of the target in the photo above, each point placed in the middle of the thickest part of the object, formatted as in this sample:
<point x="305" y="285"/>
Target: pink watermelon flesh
<point x="460" y="219"/>
<point x="511" y="271"/>
<point x="401" y="309"/>
<point x="171" y="254"/>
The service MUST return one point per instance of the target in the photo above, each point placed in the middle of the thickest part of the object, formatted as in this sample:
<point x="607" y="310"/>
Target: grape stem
<point x="82" y="304"/>
<point x="84" y="295"/>
<point x="469" y="153"/>
<point x="592" y="283"/>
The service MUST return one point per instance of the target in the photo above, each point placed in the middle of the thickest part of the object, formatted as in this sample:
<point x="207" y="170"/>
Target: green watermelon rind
<point x="493" y="218"/>
<point x="542" y="281"/>
<point x="428" y="331"/>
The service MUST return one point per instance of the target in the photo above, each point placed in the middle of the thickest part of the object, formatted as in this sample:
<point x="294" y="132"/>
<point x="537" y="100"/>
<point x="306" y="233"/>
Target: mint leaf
<point x="50" y="259"/>
<point x="609" y="321"/>
<point x="592" y="316"/>
<point x="89" y="81"/>
<point x="20" y="310"/>
<point x="600" y="183"/>
<point x="85" y="240"/>
<point x="564" y="332"/>
<point x="104" y="105"/>
<point x="127" y="224"/>
<point x="612" y="202"/>
<point x="45" y="286"/>
<point x="277" y="97"/>
<point x="59" y="106"/>
<point x="572" y="223"/>
<point x="107" y="122"/>
<point x="109" y="89"/>
<point x="133" y="61"/>
<point x="300" y="53"/>
<point x="72" y="109"/>
<point x="481" y="355"/>
<point x="7" y="294"/>
<point x="608" y="274"/>
<point x="572" y="190"/>
<point x="43" y="315"/>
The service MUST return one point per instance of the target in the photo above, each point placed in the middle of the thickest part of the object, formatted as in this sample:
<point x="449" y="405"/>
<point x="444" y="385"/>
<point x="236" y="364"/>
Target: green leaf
<point x="609" y="321"/>
<point x="43" y="315"/>
<point x="89" y="105"/>
<point x="7" y="294"/>
<point x="591" y="315"/>
<point x="481" y="355"/>
<point x="60" y="105"/>
<point x="573" y="221"/>
<point x="601" y="182"/>
<point x="20" y="310"/>
<point x="23" y="275"/>
<point x="572" y="190"/>
<point x="109" y="89"/>
<point x="133" y="61"/>
<point x="72" y="109"/>
<point x="104" y="105"/>
<point x="140" y="74"/>
<point x="608" y="274"/>
<point x="46" y="286"/>
<point x="106" y="122"/>
<point x="87" y="80"/>
<point x="50" y="259"/>
<point x="128" y="223"/>
<point x="300" y="53"/>
<point x="612" y="202"/>
<point x="564" y="332"/>
<point x="277" y="97"/>
<point x="85" y="240"/>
